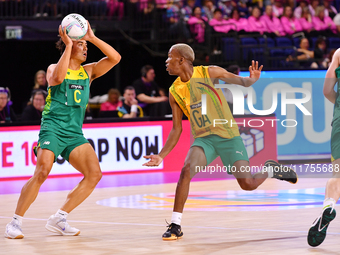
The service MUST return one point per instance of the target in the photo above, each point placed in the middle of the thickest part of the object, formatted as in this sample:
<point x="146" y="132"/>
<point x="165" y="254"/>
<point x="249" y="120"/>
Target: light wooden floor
<point x="107" y="230"/>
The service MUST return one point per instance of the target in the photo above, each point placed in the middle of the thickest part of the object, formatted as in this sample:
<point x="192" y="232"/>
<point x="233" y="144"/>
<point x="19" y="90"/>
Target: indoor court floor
<point x="126" y="215"/>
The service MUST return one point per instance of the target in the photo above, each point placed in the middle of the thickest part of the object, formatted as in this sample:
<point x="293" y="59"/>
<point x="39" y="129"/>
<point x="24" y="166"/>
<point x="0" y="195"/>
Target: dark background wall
<point x="20" y="60"/>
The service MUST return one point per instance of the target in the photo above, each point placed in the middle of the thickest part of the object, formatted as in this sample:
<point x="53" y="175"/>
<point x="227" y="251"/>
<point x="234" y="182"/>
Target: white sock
<point x="176" y="218"/>
<point x="61" y="214"/>
<point x="269" y="171"/>
<point x="18" y="218"/>
<point x="328" y="202"/>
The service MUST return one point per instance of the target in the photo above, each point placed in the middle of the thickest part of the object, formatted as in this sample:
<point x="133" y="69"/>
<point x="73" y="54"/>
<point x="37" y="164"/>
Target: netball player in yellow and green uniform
<point x="210" y="142"/>
<point x="61" y="129"/>
<point x="317" y="232"/>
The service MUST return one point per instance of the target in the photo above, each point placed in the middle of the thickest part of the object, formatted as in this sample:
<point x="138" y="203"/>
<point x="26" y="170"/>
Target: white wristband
<point x="134" y="108"/>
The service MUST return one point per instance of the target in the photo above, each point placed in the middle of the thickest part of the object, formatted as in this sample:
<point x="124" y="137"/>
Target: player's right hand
<point x="63" y="35"/>
<point x="155" y="160"/>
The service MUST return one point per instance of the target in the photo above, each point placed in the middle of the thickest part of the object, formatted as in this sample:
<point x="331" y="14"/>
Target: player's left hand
<point x="89" y="35"/>
<point x="254" y="70"/>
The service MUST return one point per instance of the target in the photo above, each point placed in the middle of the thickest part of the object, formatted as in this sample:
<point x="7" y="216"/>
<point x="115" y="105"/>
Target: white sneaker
<point x="59" y="225"/>
<point x="13" y="230"/>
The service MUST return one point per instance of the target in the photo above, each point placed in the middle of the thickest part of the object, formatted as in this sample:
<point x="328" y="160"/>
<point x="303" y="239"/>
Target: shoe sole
<point x="59" y="231"/>
<point x="273" y="162"/>
<point x="17" y="237"/>
<point x="172" y="238"/>
<point x="316" y="237"/>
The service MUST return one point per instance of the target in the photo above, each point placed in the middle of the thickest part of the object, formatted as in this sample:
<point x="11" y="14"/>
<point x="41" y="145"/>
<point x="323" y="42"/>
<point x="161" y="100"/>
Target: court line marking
<point x="158" y="225"/>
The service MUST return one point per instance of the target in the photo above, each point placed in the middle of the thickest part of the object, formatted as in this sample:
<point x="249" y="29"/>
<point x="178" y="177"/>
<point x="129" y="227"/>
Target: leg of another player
<point x="318" y="230"/>
<point x="245" y="179"/>
<point x="29" y="192"/>
<point x="84" y="159"/>
<point x="195" y="157"/>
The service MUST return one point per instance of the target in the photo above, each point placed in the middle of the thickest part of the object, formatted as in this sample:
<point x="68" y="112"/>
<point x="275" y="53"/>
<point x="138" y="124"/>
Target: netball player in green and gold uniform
<point x="317" y="232"/>
<point x="61" y="129"/>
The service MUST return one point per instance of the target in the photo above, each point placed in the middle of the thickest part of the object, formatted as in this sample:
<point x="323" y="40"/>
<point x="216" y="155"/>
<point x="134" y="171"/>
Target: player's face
<point x="172" y="63"/>
<point x="79" y="50"/>
<point x="39" y="102"/>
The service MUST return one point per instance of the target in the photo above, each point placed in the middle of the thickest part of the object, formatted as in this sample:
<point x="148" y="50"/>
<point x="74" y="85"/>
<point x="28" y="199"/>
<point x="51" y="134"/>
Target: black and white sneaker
<point x="173" y="232"/>
<point x="281" y="172"/>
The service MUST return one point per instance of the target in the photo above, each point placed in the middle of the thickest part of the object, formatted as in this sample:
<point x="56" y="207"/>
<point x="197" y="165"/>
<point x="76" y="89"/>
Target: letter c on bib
<point x="75" y="96"/>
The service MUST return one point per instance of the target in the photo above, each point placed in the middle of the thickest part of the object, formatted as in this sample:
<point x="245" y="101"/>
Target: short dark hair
<point x="145" y="69"/>
<point x="320" y="40"/>
<point x="129" y="88"/>
<point x="60" y="45"/>
<point x="218" y="10"/>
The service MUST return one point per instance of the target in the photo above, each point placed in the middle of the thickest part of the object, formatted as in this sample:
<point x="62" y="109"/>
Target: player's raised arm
<point x="101" y="67"/>
<point x="330" y="80"/>
<point x="56" y="72"/>
<point x="220" y="73"/>
<point x="173" y="137"/>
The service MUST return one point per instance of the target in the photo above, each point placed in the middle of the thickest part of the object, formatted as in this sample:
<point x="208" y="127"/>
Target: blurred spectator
<point x="273" y="24"/>
<point x="336" y="21"/>
<point x="319" y="52"/>
<point x="112" y="102"/>
<point x="242" y="24"/>
<point x="219" y="24"/>
<point x="33" y="111"/>
<point x="290" y="24"/>
<point x="187" y="10"/>
<point x="114" y="7"/>
<point x="6" y="112"/>
<point x="255" y="23"/>
<point x="243" y="8"/>
<point x="330" y="10"/>
<point x="148" y="94"/>
<point x="209" y="8"/>
<point x="303" y="54"/>
<point x="40" y="80"/>
<point x="130" y="107"/>
<point x="197" y="24"/>
<point x="176" y="19"/>
<point x="226" y="7"/>
<point x="306" y="20"/>
<point x="302" y="5"/>
<point x="315" y="3"/>
<point x="278" y="8"/>
<point x="322" y="23"/>
<point x="327" y="61"/>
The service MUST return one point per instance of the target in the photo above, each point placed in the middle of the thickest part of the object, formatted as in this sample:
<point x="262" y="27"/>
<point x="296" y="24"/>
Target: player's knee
<point x="41" y="175"/>
<point x="95" y="176"/>
<point x="185" y="173"/>
<point x="247" y="184"/>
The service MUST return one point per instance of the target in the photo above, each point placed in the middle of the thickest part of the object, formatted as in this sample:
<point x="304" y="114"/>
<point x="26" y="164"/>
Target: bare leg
<point x="245" y="179"/>
<point x="195" y="157"/>
<point x="84" y="159"/>
<point x="333" y="184"/>
<point x="29" y="192"/>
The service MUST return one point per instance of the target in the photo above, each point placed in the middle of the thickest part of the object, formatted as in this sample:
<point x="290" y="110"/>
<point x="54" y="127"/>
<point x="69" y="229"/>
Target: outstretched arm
<point x="56" y="72"/>
<point x="220" y="73"/>
<point x="331" y="79"/>
<point x="101" y="67"/>
<point x="173" y="137"/>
